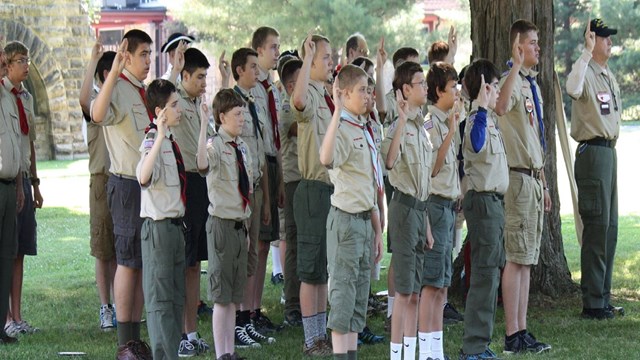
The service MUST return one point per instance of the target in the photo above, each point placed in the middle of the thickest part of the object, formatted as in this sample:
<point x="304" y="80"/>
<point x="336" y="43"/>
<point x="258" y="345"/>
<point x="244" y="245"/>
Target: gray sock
<point x="135" y="331"/>
<point x="352" y="355"/>
<point x="309" y="326"/>
<point x="124" y="332"/>
<point x="321" y="323"/>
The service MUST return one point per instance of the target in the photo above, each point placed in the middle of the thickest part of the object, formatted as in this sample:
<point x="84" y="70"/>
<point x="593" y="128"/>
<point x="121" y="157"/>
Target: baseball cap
<point x="173" y="41"/>
<point x="601" y="29"/>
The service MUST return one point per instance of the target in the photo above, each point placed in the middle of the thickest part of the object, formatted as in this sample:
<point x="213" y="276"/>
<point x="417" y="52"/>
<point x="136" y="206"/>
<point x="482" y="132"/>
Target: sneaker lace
<point x="253" y="333"/>
<point x="186" y="345"/>
<point x="242" y="335"/>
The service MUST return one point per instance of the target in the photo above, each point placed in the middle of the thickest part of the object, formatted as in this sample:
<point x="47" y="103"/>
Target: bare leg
<point x="523" y="305"/>
<point x="105" y="272"/>
<point x="192" y="296"/>
<point x="511" y="296"/>
<point x="16" y="288"/>
<point x="128" y="294"/>
<point x="261" y="269"/>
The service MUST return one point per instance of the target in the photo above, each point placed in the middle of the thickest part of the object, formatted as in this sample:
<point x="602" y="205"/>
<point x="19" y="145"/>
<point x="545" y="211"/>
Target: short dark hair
<point x="224" y="101"/>
<point x="438" y="51"/>
<point x="363" y="60"/>
<point x="239" y="58"/>
<point x="349" y="76"/>
<point x="289" y="69"/>
<point x="439" y="74"/>
<point x="521" y="26"/>
<point x="104" y="63"/>
<point x="136" y="37"/>
<point x="316" y="38"/>
<point x="403" y="54"/>
<point x="283" y="59"/>
<point x="194" y="59"/>
<point x="261" y="34"/>
<point x="158" y="93"/>
<point x="352" y="42"/>
<point x="404" y="74"/>
<point x="14" y="48"/>
<point x="472" y="77"/>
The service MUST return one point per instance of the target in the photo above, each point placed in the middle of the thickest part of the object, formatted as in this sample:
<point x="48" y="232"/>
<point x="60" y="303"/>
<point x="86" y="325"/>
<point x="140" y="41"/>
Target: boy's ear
<point x="157" y="111"/>
<point x="240" y="70"/>
<point x="405" y="89"/>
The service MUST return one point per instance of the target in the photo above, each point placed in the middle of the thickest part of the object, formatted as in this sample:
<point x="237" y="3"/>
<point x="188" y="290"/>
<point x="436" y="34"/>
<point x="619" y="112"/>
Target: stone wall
<point x="59" y="37"/>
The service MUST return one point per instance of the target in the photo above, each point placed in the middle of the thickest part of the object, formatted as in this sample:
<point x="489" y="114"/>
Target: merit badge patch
<point x="528" y="105"/>
<point x="604" y="97"/>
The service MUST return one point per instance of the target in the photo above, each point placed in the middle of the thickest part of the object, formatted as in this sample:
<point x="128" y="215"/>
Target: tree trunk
<point x="490" y="25"/>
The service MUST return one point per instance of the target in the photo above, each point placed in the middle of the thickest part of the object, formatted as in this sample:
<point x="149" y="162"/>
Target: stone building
<point x="59" y="38"/>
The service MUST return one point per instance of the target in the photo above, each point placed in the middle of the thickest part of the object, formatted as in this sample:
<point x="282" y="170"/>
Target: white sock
<point x="192" y="336"/>
<point x="424" y="340"/>
<point x="409" y="348"/>
<point x="436" y="345"/>
<point x="396" y="351"/>
<point x="390" y="300"/>
<point x="275" y="261"/>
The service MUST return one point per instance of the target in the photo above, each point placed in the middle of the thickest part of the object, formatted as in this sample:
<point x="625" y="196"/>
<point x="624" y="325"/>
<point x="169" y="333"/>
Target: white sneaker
<point x="25" y="328"/>
<point x="12" y="329"/>
<point x="186" y="349"/>
<point x="106" y="318"/>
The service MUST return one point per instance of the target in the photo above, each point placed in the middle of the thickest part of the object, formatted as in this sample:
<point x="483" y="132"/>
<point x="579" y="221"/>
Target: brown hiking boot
<point x="319" y="348"/>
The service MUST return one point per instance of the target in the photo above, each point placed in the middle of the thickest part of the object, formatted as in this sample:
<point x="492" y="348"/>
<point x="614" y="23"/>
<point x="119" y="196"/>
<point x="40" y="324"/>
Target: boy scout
<point x="311" y="202"/>
<point x="486" y="167"/>
<point x="120" y="108"/>
<point x="519" y="108"/>
<point x="17" y="55"/>
<point x="442" y="124"/>
<point x="244" y="65"/>
<point x="11" y="192"/>
<point x="266" y="42"/>
<point x="226" y="160"/>
<point x="349" y="151"/>
<point x="595" y="124"/>
<point x="102" y="245"/>
<point x="190" y="90"/>
<point x="407" y="153"/>
<point x="162" y="177"/>
<point x="175" y="42"/>
<point x="291" y="177"/>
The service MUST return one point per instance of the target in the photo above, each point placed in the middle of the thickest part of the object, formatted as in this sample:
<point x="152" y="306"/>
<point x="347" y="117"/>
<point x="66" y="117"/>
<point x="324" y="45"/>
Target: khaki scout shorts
<point x="227" y="244"/>
<point x="102" y="241"/>
<point x="437" y="260"/>
<point x="524" y="211"/>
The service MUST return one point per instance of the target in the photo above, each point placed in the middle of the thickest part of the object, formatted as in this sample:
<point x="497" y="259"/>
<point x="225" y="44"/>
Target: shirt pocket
<point x="140" y="116"/>
<point x="228" y="167"/>
<point x="170" y="169"/>
<point x="412" y="148"/>
<point x="497" y="147"/>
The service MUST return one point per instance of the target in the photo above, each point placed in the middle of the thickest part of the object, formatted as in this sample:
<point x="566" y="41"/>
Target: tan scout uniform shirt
<point x="262" y="102"/>
<point x="352" y="172"/>
<point x="289" y="144"/>
<point x="160" y="198"/>
<point x="254" y="142"/>
<point x="27" y="102"/>
<point x="312" y="126"/>
<point x="487" y="170"/>
<point x="10" y="137"/>
<point x="519" y="126"/>
<point x="223" y="177"/>
<point x="411" y="171"/>
<point x="599" y="88"/>
<point x="98" y="154"/>
<point x="390" y="104"/>
<point x="447" y="182"/>
<point x="186" y="133"/>
<point x="124" y="126"/>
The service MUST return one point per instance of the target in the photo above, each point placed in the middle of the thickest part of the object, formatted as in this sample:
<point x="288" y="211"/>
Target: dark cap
<point x="601" y="29"/>
<point x="173" y="41"/>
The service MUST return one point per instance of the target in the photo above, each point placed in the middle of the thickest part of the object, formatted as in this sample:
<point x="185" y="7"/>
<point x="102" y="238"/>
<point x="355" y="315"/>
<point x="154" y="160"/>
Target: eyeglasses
<point x="22" y="61"/>
<point x="421" y="83"/>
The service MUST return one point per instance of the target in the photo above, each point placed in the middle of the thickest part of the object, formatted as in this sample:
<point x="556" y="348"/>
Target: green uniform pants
<point x="163" y="266"/>
<point x="8" y="244"/>
<point x="485" y="221"/>
<point x="596" y="176"/>
<point x="291" y="281"/>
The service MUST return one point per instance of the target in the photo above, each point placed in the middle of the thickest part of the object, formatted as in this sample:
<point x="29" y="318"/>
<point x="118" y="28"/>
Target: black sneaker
<point x="255" y="335"/>
<point x="277" y="279"/>
<point x="513" y="344"/>
<point x="617" y="310"/>
<point x="264" y="325"/>
<point x="293" y="318"/>
<point x="597" y="314"/>
<point x="243" y="340"/>
<point x="532" y="345"/>
<point x="367" y="337"/>
<point x="450" y="313"/>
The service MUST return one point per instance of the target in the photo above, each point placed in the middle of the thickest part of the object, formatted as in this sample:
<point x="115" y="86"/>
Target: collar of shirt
<point x="318" y="85"/>
<point x="263" y="75"/>
<point x="9" y="85"/>
<point x="437" y="113"/>
<point x="415" y="115"/>
<point x="184" y="94"/>
<point x="96" y="88"/>
<point x="596" y="68"/>
<point x="351" y="117"/>
<point x="132" y="78"/>
<point x="245" y="93"/>
<point x="224" y="135"/>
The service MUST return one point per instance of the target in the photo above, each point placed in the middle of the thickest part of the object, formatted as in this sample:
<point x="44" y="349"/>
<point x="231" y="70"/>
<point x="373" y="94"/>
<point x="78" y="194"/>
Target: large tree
<point x="490" y="24"/>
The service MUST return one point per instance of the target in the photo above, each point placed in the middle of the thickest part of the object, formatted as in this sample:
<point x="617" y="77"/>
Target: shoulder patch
<point x="428" y="122"/>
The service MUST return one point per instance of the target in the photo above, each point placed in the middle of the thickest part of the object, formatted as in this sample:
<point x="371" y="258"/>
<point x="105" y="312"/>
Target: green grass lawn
<point x="60" y="296"/>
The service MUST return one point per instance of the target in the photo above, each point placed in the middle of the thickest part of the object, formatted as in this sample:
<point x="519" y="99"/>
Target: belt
<point x="600" y="141"/>
<point x="447" y="203"/>
<point x="238" y="225"/>
<point x="409" y="200"/>
<point x="365" y="215"/>
<point x="536" y="174"/>
<point x="8" y="181"/>
<point x="125" y="177"/>
<point x="488" y="193"/>
<point x="176" y="221"/>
